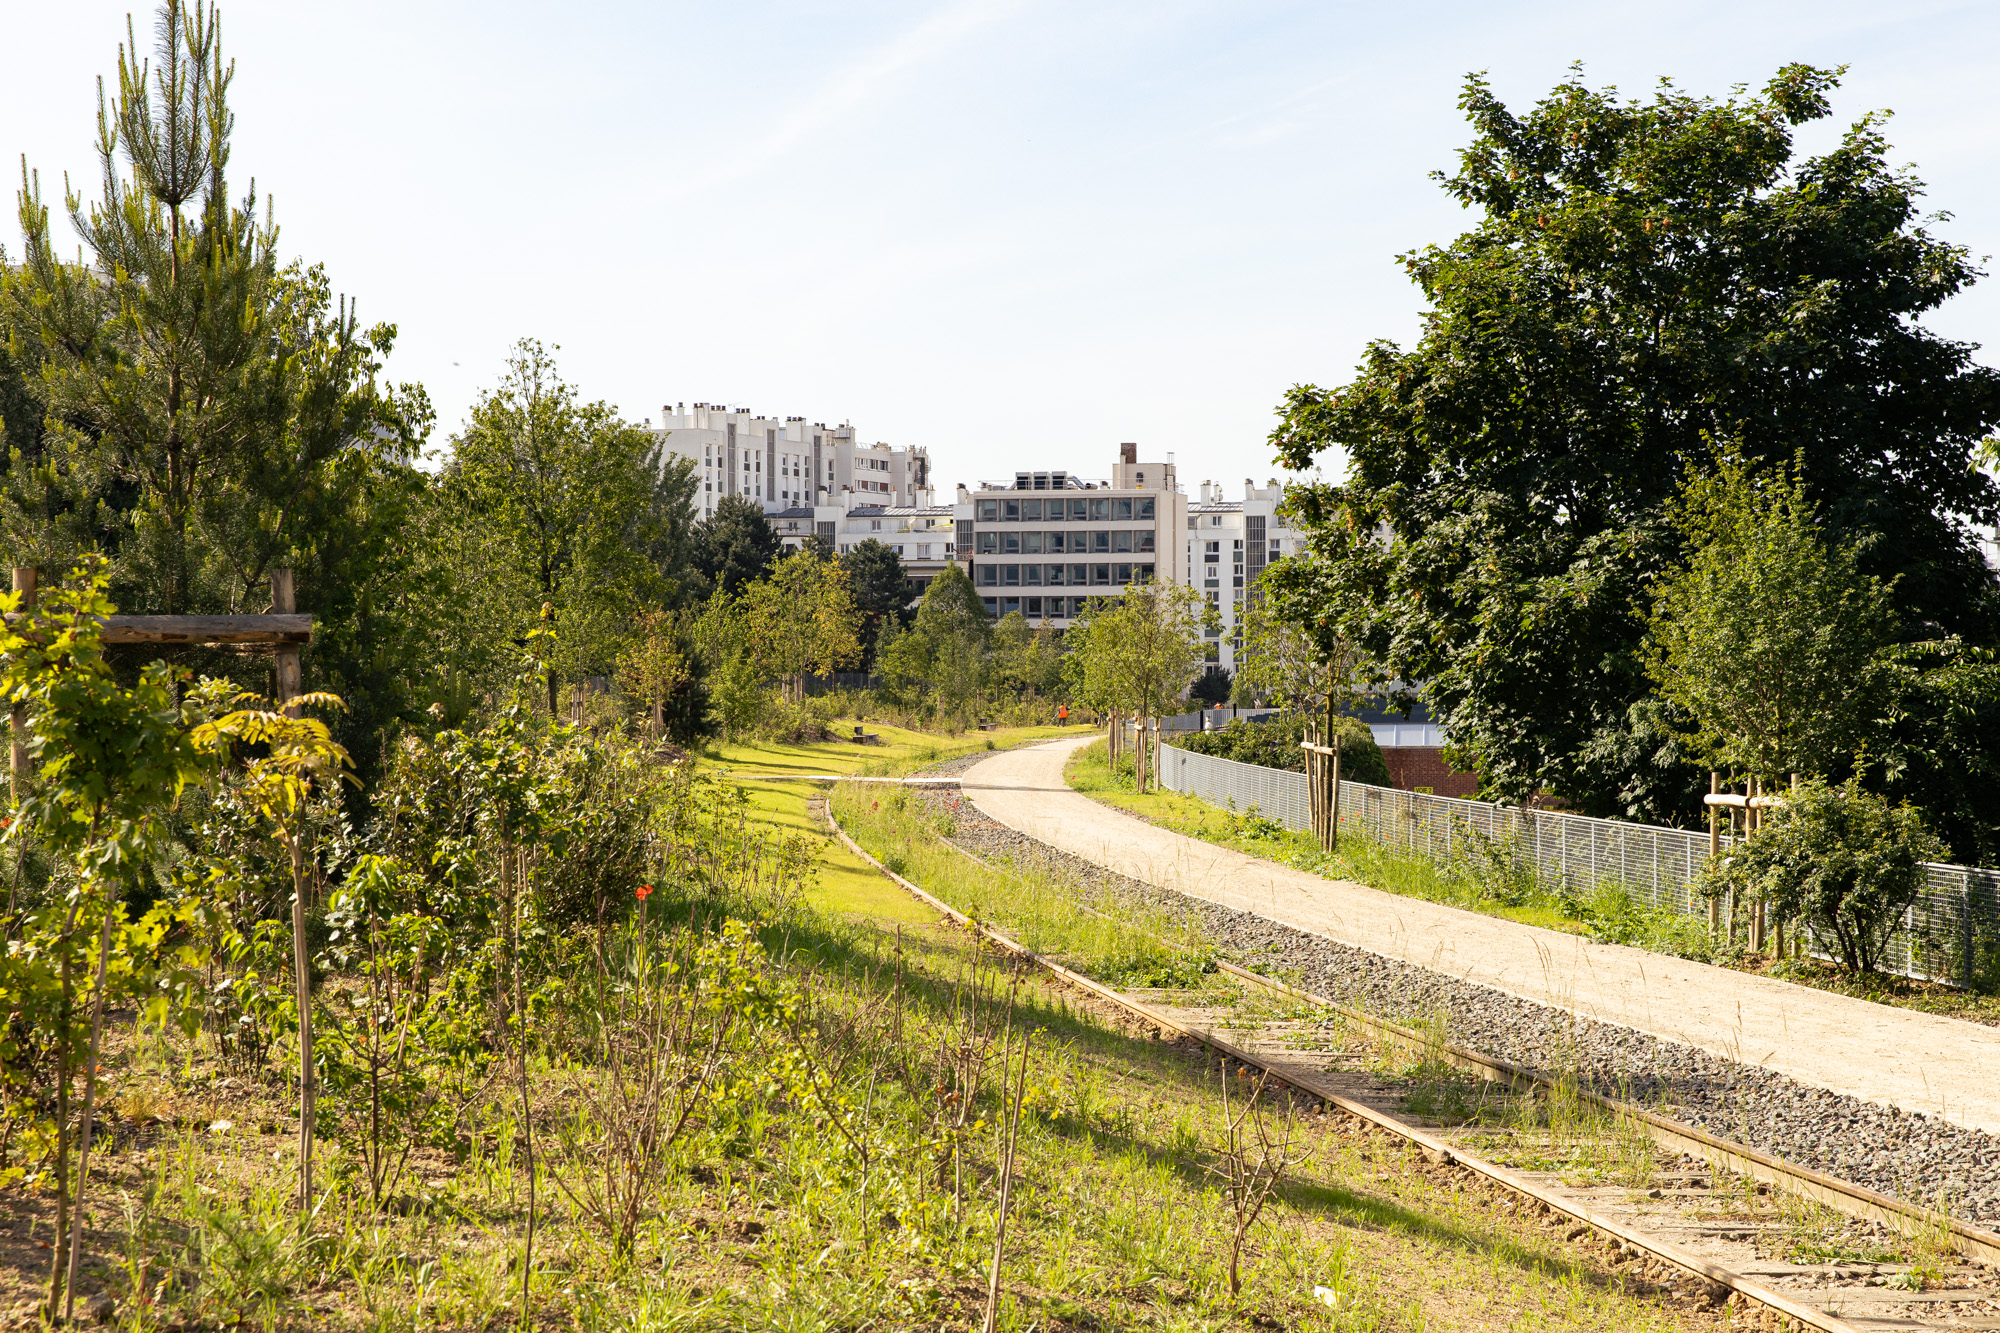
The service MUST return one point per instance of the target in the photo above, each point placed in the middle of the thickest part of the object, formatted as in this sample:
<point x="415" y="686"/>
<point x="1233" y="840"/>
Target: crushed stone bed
<point x="1917" y="1158"/>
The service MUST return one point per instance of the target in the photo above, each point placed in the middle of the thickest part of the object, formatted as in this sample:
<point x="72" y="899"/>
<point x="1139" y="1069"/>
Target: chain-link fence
<point x="1950" y="934"/>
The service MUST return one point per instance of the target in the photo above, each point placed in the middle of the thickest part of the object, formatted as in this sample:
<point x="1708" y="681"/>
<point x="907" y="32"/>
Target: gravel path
<point x="1912" y="1156"/>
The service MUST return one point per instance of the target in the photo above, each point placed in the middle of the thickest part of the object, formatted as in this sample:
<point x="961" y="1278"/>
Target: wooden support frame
<point x="1323" y="787"/>
<point x="284" y="629"/>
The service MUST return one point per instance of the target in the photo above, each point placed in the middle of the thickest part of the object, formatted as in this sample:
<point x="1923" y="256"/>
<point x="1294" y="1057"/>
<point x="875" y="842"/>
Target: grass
<point x="1043" y="911"/>
<point x="1410" y="1248"/>
<point x="1487" y="882"/>
<point x="830" y="1183"/>
<point x="779" y="802"/>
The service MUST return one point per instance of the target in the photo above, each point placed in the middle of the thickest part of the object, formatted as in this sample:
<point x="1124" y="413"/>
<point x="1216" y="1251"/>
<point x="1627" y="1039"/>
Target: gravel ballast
<point x="1918" y="1158"/>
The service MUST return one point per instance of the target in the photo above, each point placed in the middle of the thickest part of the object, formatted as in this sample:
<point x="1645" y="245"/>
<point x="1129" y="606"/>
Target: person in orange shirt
<point x="1062" y="715"/>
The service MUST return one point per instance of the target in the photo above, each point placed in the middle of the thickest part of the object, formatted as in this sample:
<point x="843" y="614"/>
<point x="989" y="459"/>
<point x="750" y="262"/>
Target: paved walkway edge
<point x="1926" y="1063"/>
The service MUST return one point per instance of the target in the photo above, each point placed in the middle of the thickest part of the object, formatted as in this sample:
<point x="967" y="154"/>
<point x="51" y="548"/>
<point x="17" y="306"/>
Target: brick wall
<point x="1413" y="766"/>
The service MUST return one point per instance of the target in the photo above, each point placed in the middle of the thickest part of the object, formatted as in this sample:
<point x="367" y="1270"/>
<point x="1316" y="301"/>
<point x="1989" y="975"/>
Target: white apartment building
<point x="1229" y="542"/>
<point x="921" y="532"/>
<point x="1045" y="543"/>
<point x="786" y="463"/>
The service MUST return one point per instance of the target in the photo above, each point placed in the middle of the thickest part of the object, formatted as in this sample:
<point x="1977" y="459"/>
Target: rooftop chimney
<point x="1128" y="453"/>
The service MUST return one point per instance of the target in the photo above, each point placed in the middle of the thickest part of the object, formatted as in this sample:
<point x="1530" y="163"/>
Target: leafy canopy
<point x="1768" y="639"/>
<point x="1646" y="280"/>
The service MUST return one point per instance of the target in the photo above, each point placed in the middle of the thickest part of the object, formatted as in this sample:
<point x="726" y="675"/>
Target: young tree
<point x="652" y="667"/>
<point x="1142" y="652"/>
<point x="881" y="592"/>
<point x="1293" y="649"/>
<point x="1839" y="859"/>
<point x="1769" y="639"/>
<point x="207" y="410"/>
<point x="553" y="501"/>
<point x="1092" y="668"/>
<point x="1644" y="278"/>
<point x="734" y="545"/>
<point x="944" y="653"/>
<point x="800" y="621"/>
<point x="1026" y="659"/>
<point x="108" y="759"/>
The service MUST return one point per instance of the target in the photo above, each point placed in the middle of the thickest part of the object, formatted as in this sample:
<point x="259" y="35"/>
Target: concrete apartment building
<point x="1229" y="542"/>
<point x="786" y="463"/>
<point x="1044" y="543"/>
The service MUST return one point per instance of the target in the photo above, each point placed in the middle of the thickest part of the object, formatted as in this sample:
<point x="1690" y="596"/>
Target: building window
<point x="984" y="574"/>
<point x="1122" y="541"/>
<point x="989" y="543"/>
<point x="989" y="510"/>
<point x="1010" y="543"/>
<point x="1079" y="576"/>
<point x="1100" y="574"/>
<point x="874" y="525"/>
<point x="1145" y="540"/>
<point x="1010" y="575"/>
<point x="1146" y="507"/>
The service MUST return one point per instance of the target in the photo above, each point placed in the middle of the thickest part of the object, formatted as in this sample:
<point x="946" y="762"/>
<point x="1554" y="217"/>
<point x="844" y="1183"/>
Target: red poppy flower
<point x="644" y="889"/>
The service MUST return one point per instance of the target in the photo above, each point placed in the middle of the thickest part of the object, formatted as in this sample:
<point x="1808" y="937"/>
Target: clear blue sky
<point x="1016" y="231"/>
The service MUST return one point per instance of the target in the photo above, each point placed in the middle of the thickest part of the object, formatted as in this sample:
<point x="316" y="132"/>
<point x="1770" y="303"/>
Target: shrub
<point x="1840" y="861"/>
<point x="791" y="723"/>
<point x="1274" y="743"/>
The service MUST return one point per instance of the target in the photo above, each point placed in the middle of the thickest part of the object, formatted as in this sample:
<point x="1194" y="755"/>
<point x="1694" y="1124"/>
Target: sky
<point x="1017" y="232"/>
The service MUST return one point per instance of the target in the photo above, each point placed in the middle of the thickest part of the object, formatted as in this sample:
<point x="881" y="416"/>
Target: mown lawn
<point x="847" y="884"/>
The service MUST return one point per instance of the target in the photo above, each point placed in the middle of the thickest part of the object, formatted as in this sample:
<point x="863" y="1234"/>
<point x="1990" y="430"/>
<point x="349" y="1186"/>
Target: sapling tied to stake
<point x="107" y="759"/>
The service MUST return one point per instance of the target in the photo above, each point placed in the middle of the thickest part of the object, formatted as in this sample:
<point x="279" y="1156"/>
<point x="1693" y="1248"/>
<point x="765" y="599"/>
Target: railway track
<point x="1712" y="1202"/>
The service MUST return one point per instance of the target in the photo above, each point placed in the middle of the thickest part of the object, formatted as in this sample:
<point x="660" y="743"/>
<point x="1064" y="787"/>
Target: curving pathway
<point x="1920" y="1062"/>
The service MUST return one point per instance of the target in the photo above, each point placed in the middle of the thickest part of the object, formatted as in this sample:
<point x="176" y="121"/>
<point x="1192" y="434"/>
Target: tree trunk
<point x="89" y="1106"/>
<point x="302" y="983"/>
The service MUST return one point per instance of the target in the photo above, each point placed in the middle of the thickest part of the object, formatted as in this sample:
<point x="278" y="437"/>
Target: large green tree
<point x="1646" y="280"/>
<point x="547" y="500"/>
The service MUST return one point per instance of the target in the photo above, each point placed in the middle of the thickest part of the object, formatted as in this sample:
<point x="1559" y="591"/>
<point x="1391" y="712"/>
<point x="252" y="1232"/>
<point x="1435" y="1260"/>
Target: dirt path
<point x="1919" y="1062"/>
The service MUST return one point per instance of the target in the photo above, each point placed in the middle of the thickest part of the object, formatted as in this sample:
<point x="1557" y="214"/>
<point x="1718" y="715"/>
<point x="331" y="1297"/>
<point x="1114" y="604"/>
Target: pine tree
<point x="222" y="404"/>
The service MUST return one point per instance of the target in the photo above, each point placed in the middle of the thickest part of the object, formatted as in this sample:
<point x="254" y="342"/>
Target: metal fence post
<point x="1967" y="948"/>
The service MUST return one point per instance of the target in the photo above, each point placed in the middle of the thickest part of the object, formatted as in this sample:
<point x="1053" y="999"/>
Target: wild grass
<point x="760" y="1113"/>
<point x="1040" y="907"/>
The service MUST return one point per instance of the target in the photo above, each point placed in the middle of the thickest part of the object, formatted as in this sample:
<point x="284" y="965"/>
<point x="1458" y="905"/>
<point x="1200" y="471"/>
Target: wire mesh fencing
<point x="1950" y="934"/>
